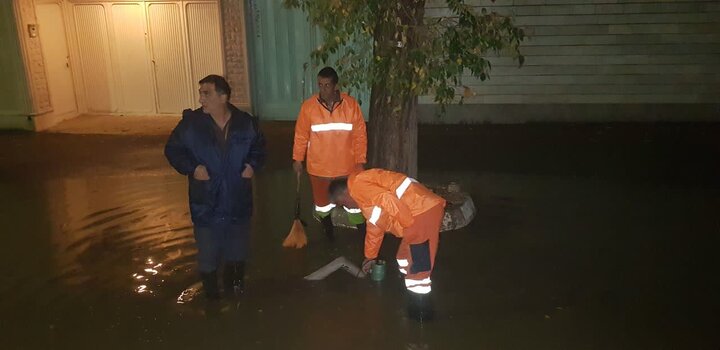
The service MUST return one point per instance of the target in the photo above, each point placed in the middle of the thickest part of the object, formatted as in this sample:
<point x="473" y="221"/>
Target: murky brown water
<point x="586" y="237"/>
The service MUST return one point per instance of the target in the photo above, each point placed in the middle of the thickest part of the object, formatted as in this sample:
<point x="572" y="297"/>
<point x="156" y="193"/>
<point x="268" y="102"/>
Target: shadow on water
<point x="571" y="248"/>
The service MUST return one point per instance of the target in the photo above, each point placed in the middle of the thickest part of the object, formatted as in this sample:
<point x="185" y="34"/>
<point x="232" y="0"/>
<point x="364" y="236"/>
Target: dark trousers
<point x="224" y="242"/>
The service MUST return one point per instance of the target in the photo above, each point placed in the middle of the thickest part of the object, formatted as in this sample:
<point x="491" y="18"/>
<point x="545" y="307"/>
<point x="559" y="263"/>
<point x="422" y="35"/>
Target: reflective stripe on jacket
<point x="389" y="201"/>
<point x="332" y="142"/>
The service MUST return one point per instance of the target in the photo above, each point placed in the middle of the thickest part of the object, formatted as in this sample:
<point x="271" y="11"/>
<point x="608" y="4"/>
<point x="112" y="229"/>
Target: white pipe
<point x="339" y="263"/>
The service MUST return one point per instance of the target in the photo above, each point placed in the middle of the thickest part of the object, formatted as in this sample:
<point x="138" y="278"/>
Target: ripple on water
<point x="127" y="233"/>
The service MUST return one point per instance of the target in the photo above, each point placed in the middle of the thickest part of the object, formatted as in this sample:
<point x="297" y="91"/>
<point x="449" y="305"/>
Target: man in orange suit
<point x="330" y="136"/>
<point x="395" y="203"/>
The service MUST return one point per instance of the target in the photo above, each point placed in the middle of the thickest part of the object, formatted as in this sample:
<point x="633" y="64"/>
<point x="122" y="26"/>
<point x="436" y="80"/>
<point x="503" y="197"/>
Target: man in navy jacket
<point x="218" y="147"/>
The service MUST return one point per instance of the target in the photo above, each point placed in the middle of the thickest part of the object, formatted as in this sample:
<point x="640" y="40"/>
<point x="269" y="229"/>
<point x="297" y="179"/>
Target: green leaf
<point x="360" y="37"/>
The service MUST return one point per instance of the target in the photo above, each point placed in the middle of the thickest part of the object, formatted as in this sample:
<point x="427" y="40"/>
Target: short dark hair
<point x="337" y="187"/>
<point x="221" y="85"/>
<point x="328" y="72"/>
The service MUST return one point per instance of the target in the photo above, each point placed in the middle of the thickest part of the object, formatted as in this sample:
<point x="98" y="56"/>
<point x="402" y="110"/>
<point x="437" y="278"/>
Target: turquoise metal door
<point x="281" y="42"/>
<point x="283" y="75"/>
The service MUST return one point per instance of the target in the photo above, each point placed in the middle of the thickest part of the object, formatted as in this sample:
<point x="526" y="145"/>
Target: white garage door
<point x="146" y="57"/>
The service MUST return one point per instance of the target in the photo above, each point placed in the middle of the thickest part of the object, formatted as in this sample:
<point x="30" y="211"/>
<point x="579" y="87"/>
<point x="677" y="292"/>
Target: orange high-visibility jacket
<point x="334" y="142"/>
<point x="389" y="201"/>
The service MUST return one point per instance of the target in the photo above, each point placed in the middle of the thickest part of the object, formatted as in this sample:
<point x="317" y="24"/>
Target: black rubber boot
<point x="234" y="278"/>
<point x="210" y="285"/>
<point x="328" y="228"/>
<point x="362" y="229"/>
<point x="419" y="307"/>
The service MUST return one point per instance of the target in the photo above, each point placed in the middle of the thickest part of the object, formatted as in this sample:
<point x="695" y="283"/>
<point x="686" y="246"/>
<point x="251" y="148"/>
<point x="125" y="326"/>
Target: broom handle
<point x="297" y="198"/>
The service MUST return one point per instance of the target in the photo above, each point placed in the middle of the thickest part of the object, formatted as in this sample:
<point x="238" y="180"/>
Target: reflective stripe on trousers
<point x="325" y="209"/>
<point x="402" y="264"/>
<point x="422" y="286"/>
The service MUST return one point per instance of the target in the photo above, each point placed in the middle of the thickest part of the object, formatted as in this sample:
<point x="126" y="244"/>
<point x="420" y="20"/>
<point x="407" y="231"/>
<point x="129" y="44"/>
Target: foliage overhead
<point x="392" y="43"/>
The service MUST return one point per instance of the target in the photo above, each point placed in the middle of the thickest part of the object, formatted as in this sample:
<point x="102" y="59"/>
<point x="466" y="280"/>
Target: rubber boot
<point x="210" y="285"/>
<point x="419" y="307"/>
<point x="362" y="229"/>
<point x="328" y="228"/>
<point x="234" y="278"/>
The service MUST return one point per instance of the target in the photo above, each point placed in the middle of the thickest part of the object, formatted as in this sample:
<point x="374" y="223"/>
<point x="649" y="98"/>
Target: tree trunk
<point x="392" y="130"/>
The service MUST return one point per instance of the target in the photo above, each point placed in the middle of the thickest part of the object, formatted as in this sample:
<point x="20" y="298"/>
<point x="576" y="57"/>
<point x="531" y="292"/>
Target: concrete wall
<point x="14" y="96"/>
<point x="599" y="60"/>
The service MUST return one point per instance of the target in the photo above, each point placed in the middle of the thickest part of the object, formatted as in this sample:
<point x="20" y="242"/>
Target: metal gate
<point x="280" y="41"/>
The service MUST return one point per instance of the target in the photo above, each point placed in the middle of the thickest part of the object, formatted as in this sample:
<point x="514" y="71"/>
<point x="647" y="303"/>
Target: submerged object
<point x="189" y="293"/>
<point x="339" y="263"/>
<point x="378" y="271"/>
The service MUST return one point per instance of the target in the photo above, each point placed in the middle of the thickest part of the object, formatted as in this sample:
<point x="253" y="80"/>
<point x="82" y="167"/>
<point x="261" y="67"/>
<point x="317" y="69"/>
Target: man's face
<point x="327" y="88"/>
<point x="210" y="100"/>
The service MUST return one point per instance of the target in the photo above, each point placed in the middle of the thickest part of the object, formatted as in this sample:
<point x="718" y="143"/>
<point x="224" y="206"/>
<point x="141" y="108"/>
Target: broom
<point x="297" y="237"/>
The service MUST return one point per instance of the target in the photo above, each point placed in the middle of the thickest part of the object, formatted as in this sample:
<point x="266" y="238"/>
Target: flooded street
<point x="586" y="237"/>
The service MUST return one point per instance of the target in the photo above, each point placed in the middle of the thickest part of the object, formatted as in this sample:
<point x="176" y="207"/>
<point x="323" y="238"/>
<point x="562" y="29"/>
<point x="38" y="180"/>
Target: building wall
<point x="22" y="62"/>
<point x="599" y="60"/>
<point x="35" y="65"/>
<point x="14" y="96"/>
<point x="586" y="60"/>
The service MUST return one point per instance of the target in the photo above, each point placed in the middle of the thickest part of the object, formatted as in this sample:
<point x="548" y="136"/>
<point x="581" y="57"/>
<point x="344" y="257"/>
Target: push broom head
<point x="297" y="237"/>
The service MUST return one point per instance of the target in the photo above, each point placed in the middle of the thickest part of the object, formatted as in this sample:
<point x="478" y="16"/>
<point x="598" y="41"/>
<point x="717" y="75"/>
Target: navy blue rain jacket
<point x="227" y="195"/>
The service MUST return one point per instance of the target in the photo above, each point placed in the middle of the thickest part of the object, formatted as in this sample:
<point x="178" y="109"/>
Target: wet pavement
<point x="586" y="237"/>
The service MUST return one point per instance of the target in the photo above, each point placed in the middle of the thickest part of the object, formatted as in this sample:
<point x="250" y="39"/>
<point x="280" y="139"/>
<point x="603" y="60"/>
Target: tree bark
<point x="392" y="130"/>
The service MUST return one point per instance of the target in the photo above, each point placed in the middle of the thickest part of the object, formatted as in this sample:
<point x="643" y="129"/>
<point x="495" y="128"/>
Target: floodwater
<point x="586" y="237"/>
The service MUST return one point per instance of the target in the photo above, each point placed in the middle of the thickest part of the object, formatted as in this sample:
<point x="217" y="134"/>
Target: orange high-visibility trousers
<point x="416" y="254"/>
<point x="321" y="199"/>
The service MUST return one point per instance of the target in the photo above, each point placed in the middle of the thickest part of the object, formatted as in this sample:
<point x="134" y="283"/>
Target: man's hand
<point x="201" y="173"/>
<point x="367" y="265"/>
<point x="298" y="167"/>
<point x="248" y="172"/>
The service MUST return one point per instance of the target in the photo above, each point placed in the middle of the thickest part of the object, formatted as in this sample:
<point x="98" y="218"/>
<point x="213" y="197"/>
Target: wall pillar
<point x="236" y="53"/>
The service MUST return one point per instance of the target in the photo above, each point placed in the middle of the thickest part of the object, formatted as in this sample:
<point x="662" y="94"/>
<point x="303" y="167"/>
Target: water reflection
<point x="151" y="270"/>
<point x="107" y="225"/>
